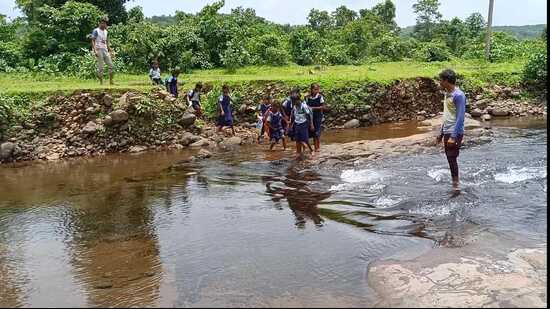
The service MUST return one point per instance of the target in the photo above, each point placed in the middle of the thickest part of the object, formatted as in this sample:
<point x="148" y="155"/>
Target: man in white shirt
<point x="102" y="51"/>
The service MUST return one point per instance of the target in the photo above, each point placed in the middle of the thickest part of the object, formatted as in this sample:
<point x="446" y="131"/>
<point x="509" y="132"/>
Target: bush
<point x="337" y="54"/>
<point x="432" y="51"/>
<point x="535" y="72"/>
<point x="234" y="57"/>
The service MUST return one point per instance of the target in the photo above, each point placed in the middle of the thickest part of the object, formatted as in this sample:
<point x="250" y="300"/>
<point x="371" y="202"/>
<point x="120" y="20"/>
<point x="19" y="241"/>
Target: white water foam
<point x="385" y="201"/>
<point x="359" y="179"/>
<point x="355" y="176"/>
<point x="439" y="174"/>
<point x="519" y="174"/>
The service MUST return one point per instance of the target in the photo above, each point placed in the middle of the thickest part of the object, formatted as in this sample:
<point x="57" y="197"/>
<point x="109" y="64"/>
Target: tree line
<point x="53" y="37"/>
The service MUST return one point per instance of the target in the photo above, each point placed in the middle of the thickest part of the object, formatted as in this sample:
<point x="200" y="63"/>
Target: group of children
<point x="296" y="118"/>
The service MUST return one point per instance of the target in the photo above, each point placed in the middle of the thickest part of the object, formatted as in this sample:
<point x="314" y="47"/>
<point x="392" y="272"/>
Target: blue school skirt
<point x="317" y="124"/>
<point x="301" y="132"/>
<point x="276" y="135"/>
<point x="225" y="121"/>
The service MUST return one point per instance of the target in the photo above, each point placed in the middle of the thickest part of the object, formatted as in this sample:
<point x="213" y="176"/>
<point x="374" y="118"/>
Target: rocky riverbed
<point x="502" y="276"/>
<point x="360" y="152"/>
<point x="89" y="124"/>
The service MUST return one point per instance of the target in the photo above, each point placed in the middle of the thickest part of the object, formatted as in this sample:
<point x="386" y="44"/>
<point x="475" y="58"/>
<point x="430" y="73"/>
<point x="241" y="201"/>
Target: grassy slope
<point x="327" y="76"/>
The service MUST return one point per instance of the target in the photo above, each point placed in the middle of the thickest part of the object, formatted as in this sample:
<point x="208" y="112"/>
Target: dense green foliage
<point x="54" y="38"/>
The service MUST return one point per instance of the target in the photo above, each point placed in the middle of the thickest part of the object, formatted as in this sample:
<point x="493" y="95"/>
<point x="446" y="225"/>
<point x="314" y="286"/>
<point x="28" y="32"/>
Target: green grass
<point x="327" y="76"/>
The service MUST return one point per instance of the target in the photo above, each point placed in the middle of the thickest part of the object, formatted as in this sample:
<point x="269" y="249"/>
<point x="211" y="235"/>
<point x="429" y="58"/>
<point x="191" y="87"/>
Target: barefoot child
<point x="286" y="110"/>
<point x="275" y="120"/>
<point x="194" y="99"/>
<point x="171" y="83"/>
<point x="452" y="130"/>
<point x="263" y="108"/>
<point x="316" y="103"/>
<point x="226" y="114"/>
<point x="301" y="123"/>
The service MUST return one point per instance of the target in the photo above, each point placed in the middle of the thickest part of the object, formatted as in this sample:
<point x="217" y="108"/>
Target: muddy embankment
<point x="95" y="123"/>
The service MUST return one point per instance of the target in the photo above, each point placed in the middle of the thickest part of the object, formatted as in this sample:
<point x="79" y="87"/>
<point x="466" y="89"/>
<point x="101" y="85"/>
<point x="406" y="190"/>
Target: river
<point x="252" y="227"/>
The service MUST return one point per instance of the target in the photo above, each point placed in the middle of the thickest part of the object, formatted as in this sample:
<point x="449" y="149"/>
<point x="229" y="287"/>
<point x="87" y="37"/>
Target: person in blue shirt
<point x="172" y="83"/>
<point x="225" y="118"/>
<point x="452" y="129"/>
<point x="316" y="103"/>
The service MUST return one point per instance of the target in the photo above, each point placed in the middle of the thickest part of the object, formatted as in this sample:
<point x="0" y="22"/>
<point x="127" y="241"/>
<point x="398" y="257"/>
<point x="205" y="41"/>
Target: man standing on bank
<point x="452" y="130"/>
<point x="102" y="50"/>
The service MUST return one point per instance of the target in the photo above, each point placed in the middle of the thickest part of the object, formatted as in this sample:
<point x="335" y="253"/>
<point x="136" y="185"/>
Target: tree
<point x="66" y="30"/>
<point x="427" y="18"/>
<point x="113" y="8"/>
<point x="386" y="12"/>
<point x="475" y="25"/>
<point x="456" y="35"/>
<point x="304" y="46"/>
<point x="544" y="34"/>
<point x="135" y="15"/>
<point x="320" y="21"/>
<point x="343" y="16"/>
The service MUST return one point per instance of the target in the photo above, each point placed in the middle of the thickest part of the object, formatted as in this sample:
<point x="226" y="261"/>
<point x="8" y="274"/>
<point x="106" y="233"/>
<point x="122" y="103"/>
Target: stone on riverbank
<point x="354" y="123"/>
<point x="187" y="120"/>
<point x="119" y="116"/>
<point x="6" y="150"/>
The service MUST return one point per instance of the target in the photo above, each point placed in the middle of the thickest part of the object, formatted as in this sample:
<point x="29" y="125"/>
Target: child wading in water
<point x="286" y="110"/>
<point x="194" y="99"/>
<point x="226" y="114"/>
<point x="275" y="120"/>
<point x="154" y="73"/>
<point x="316" y="103"/>
<point x="301" y="124"/>
<point x="452" y="130"/>
<point x="263" y="109"/>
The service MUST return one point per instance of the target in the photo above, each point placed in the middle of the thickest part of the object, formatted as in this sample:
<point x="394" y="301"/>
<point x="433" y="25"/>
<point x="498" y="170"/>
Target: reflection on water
<point x="302" y="200"/>
<point x="248" y="228"/>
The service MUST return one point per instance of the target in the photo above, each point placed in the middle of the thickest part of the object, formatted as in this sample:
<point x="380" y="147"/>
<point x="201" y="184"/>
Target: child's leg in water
<point x="284" y="143"/>
<point x="317" y="141"/>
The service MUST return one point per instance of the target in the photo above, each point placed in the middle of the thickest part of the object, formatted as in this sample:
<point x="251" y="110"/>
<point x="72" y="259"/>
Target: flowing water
<point x="252" y="228"/>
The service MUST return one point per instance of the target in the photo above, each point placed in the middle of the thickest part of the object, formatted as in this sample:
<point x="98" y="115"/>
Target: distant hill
<point x="520" y="32"/>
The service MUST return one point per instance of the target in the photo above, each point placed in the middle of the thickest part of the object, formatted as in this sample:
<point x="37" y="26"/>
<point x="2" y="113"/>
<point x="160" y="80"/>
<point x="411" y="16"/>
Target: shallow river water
<point x="252" y="228"/>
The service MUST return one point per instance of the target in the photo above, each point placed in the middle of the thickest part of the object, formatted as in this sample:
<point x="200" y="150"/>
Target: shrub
<point x="535" y="72"/>
<point x="432" y="51"/>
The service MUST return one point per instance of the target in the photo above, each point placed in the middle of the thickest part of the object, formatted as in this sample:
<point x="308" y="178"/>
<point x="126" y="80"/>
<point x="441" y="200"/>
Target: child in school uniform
<point x="225" y="118"/>
<point x="286" y="110"/>
<point x="172" y="83"/>
<point x="154" y="73"/>
<point x="275" y="120"/>
<point x="301" y="123"/>
<point x="194" y="99"/>
<point x="262" y="110"/>
<point x="316" y="103"/>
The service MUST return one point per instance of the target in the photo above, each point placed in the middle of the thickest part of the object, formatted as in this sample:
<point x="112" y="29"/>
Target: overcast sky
<point x="507" y="12"/>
